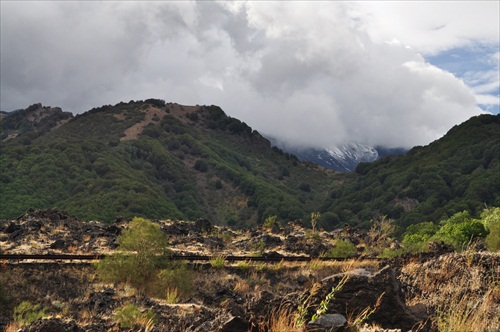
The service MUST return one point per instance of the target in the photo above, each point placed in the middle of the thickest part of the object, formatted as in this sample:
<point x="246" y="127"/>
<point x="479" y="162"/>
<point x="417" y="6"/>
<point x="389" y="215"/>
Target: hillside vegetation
<point x="459" y="172"/>
<point x="161" y="160"/>
<point x="157" y="160"/>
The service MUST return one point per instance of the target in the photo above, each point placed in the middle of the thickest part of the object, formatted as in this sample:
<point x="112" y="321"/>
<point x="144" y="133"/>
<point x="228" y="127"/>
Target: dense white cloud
<point x="311" y="73"/>
<point x="430" y="26"/>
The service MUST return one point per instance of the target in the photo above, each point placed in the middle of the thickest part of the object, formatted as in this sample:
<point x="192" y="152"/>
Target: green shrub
<point x="416" y="238"/>
<point x="491" y="221"/>
<point x="26" y="312"/>
<point x="143" y="254"/>
<point x="460" y="229"/>
<point x="178" y="276"/>
<point x="270" y="222"/>
<point x="129" y="316"/>
<point x="342" y="249"/>
<point x="201" y="165"/>
<point x="218" y="262"/>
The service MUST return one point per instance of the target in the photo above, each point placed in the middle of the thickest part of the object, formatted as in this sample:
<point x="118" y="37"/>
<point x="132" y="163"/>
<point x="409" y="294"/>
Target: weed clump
<point x="130" y="316"/>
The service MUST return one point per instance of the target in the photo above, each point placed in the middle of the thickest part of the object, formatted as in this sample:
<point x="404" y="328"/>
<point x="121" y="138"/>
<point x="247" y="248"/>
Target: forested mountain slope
<point x="162" y="160"/>
<point x="458" y="172"/>
<point x="152" y="159"/>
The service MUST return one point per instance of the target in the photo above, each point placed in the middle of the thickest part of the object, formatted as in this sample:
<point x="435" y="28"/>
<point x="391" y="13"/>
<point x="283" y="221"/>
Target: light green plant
<point x="244" y="266"/>
<point x="342" y="249"/>
<point x="26" y="312"/>
<point x="304" y="306"/>
<point x="178" y="276"/>
<point x="460" y="230"/>
<point x="491" y="221"/>
<point x="218" y="262"/>
<point x="259" y="247"/>
<point x="314" y="220"/>
<point x="143" y="251"/>
<point x="270" y="222"/>
<point x="172" y="295"/>
<point x="143" y="261"/>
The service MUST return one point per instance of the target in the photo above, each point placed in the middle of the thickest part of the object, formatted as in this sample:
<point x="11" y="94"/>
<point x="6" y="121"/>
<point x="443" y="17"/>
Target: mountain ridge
<point x="164" y="160"/>
<point x="187" y="163"/>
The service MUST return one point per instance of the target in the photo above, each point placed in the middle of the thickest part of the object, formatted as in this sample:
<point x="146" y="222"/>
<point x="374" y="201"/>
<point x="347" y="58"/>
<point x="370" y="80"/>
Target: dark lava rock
<point x="101" y="301"/>
<point x="234" y="324"/>
<point x="12" y="228"/>
<point x="364" y="289"/>
<point x="58" y="244"/>
<point x="203" y="225"/>
<point x="52" y="325"/>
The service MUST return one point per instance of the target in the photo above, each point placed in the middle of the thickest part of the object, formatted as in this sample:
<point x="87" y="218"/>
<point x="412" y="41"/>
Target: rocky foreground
<point x="409" y="294"/>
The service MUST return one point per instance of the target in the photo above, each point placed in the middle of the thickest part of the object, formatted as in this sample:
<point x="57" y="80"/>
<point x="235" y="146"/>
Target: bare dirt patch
<point x="134" y="131"/>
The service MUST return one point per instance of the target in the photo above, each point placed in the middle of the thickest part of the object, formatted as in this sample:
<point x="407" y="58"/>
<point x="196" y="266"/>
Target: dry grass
<point x="355" y="321"/>
<point x="462" y="291"/>
<point x="242" y="286"/>
<point x="281" y="320"/>
<point x="13" y="326"/>
<point x="470" y="314"/>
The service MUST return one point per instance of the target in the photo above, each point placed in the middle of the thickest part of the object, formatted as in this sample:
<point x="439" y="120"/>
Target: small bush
<point x="26" y="312"/>
<point x="172" y="296"/>
<point x="218" y="262"/>
<point x="342" y="249"/>
<point x="270" y="222"/>
<point x="201" y="165"/>
<point x="460" y="229"/>
<point x="491" y="221"/>
<point x="129" y="316"/>
<point x="178" y="276"/>
<point x="244" y="266"/>
<point x="146" y="266"/>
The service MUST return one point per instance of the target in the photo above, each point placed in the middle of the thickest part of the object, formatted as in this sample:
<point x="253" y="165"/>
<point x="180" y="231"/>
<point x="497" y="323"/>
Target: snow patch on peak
<point x="353" y="152"/>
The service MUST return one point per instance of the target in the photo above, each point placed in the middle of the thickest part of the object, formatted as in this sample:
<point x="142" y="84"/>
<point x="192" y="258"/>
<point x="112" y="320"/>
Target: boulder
<point x="380" y="292"/>
<point x="52" y="325"/>
<point x="203" y="226"/>
<point x="12" y="228"/>
<point x="327" y="323"/>
<point x="234" y="324"/>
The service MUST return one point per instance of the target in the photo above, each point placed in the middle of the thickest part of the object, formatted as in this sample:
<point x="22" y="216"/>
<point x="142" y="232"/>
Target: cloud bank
<point x="311" y="74"/>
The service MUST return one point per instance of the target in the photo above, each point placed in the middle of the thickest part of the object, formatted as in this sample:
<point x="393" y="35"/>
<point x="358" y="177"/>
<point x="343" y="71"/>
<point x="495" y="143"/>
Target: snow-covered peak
<point x="353" y="152"/>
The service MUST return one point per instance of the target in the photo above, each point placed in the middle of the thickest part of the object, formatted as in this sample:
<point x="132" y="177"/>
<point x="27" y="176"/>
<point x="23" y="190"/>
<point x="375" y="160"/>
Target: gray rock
<point x="327" y="323"/>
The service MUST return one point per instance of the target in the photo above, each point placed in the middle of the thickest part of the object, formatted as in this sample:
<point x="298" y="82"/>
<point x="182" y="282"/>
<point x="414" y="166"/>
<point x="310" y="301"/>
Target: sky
<point x="310" y="73"/>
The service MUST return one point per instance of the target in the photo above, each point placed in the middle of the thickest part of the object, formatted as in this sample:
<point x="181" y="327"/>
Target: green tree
<point x="491" y="221"/>
<point x="460" y="229"/>
<point x="143" y="252"/>
<point x="419" y="233"/>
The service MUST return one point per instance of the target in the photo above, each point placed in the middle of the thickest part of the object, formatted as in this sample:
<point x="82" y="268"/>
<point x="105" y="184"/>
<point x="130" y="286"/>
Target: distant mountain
<point x="340" y="158"/>
<point x="31" y="122"/>
<point x="168" y="161"/>
<point x="154" y="159"/>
